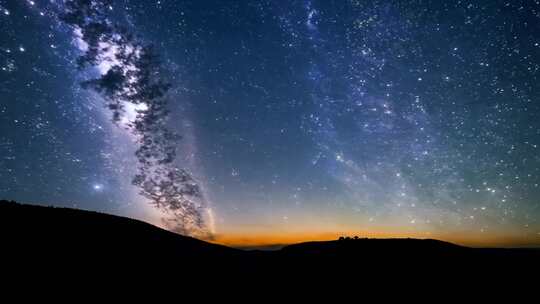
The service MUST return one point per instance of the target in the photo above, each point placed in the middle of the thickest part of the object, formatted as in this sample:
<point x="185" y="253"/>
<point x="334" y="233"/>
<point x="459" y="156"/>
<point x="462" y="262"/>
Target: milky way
<point x="321" y="118"/>
<point x="130" y="79"/>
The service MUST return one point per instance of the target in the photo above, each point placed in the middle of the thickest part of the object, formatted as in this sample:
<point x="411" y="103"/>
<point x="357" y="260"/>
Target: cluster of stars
<point x="366" y="114"/>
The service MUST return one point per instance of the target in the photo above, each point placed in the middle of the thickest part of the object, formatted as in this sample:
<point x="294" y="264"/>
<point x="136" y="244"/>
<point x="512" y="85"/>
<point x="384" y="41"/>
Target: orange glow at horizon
<point x="471" y="240"/>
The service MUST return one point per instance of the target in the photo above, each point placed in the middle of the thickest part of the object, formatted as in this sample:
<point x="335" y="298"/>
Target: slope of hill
<point x="62" y="238"/>
<point x="63" y="233"/>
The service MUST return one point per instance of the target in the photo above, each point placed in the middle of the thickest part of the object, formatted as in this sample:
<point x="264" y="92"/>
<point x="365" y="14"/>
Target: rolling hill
<point x="63" y="239"/>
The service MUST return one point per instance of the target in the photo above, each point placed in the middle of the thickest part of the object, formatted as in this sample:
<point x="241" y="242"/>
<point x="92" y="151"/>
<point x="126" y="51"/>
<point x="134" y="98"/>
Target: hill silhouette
<point x="63" y="239"/>
<point x="64" y="232"/>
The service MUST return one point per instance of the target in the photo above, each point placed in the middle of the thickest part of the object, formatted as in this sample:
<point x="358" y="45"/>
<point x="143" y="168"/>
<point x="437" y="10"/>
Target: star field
<point x="299" y="119"/>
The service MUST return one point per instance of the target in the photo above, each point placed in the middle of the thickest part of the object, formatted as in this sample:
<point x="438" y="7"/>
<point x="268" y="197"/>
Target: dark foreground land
<point x="42" y="240"/>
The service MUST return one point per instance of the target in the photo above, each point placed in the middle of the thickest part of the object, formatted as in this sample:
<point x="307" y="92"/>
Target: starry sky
<point x="299" y="120"/>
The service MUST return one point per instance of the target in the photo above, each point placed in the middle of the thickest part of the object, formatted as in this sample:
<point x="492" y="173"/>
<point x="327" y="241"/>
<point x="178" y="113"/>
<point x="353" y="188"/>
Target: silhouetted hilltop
<point x="64" y="233"/>
<point x="61" y="238"/>
<point x="363" y="246"/>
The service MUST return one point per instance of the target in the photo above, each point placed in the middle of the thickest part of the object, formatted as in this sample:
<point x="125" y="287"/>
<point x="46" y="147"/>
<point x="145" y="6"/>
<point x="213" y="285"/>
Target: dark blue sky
<point x="300" y="119"/>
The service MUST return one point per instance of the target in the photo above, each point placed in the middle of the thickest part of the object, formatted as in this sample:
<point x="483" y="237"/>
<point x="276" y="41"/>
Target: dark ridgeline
<point x="63" y="239"/>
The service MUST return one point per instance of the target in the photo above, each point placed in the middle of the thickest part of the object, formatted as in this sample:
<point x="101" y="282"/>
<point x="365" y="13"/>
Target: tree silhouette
<point x="134" y="77"/>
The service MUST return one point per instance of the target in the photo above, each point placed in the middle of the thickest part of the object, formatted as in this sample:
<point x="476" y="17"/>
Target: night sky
<point x="299" y="120"/>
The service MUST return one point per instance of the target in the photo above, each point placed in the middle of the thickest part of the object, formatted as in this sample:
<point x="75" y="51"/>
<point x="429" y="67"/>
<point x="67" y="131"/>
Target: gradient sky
<point x="300" y="119"/>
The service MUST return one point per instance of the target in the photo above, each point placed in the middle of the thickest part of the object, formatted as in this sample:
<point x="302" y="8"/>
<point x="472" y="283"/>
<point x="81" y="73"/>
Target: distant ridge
<point x="36" y="237"/>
